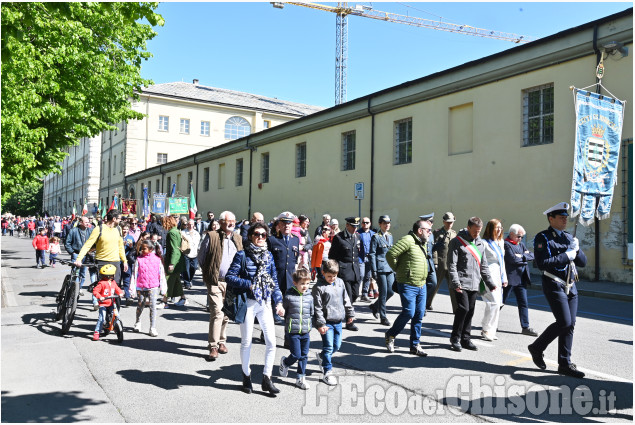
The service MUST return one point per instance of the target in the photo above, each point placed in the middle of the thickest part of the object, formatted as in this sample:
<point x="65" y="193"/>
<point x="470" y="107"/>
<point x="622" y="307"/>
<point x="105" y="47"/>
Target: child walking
<point x="332" y="307"/>
<point x="54" y="250"/>
<point x="41" y="245"/>
<point x="106" y="287"/>
<point x="148" y="274"/>
<point x="298" y="308"/>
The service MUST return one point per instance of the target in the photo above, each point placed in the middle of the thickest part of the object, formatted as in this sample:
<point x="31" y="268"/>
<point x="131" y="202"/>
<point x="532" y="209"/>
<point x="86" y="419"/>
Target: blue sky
<point x="290" y="53"/>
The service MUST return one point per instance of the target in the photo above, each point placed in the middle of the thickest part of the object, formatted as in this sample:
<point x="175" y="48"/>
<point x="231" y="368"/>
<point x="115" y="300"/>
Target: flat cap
<point x="449" y="217"/>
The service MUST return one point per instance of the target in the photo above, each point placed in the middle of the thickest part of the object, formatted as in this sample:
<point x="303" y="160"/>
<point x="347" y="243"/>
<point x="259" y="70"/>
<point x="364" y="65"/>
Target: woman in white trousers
<point x="495" y="255"/>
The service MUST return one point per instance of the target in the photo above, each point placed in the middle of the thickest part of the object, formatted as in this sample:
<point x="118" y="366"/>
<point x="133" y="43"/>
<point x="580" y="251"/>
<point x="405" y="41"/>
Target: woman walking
<point x="494" y="253"/>
<point x="173" y="261"/>
<point x="253" y="272"/>
<point x="380" y="243"/>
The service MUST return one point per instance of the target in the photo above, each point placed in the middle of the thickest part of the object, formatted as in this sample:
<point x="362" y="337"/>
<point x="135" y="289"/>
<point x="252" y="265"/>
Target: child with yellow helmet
<point x="105" y="288"/>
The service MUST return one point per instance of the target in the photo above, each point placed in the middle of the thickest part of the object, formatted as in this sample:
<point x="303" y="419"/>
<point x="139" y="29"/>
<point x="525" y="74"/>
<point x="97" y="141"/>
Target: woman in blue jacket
<point x="253" y="272"/>
<point x="380" y="243"/>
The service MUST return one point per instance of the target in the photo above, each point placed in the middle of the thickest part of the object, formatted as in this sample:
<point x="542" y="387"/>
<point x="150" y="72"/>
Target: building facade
<point x="492" y="138"/>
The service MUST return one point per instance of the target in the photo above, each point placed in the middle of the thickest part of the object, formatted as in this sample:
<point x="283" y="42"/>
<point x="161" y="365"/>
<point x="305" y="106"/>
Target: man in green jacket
<point x="408" y="258"/>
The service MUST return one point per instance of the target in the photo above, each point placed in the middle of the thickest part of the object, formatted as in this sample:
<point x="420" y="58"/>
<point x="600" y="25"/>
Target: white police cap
<point x="558" y="209"/>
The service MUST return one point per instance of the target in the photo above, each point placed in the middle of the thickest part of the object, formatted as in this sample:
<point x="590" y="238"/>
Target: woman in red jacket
<point x="41" y="245"/>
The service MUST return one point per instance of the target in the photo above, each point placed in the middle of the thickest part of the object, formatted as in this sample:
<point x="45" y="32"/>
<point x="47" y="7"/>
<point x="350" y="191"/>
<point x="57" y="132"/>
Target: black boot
<point x="247" y="384"/>
<point x="267" y="385"/>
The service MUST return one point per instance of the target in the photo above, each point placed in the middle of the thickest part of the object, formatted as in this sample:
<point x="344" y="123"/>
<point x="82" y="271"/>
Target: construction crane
<point x="341" y="39"/>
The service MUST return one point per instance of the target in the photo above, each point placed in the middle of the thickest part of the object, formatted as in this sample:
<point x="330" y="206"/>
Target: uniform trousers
<point x="564" y="308"/>
<point x="462" y="326"/>
<point x="352" y="289"/>
<point x="217" y="320"/>
<point x="265" y="319"/>
<point x="384" y="286"/>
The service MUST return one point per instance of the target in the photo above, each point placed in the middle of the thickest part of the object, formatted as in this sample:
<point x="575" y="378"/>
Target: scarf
<point x="511" y="241"/>
<point x="262" y="284"/>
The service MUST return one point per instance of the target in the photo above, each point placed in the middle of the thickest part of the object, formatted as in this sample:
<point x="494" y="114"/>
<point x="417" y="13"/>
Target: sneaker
<point x="318" y="356"/>
<point x="418" y="351"/>
<point x="153" y="332"/>
<point x="365" y="299"/>
<point x="95" y="307"/>
<point x="181" y="303"/>
<point x="529" y="331"/>
<point x="390" y="343"/>
<point x="96" y="336"/>
<point x="329" y="378"/>
<point x="160" y="306"/>
<point x="284" y="370"/>
<point x="137" y="327"/>
<point x="301" y="382"/>
<point x="52" y="265"/>
<point x="487" y="336"/>
<point x="81" y="292"/>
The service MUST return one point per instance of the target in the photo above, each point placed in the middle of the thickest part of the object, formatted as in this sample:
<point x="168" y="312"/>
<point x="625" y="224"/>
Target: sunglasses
<point x="260" y="235"/>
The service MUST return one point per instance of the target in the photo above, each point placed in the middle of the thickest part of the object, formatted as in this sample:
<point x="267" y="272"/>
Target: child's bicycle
<point x="69" y="293"/>
<point x="113" y="322"/>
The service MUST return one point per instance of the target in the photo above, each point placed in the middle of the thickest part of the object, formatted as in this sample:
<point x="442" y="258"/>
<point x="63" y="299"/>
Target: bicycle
<point x="113" y="322"/>
<point x="69" y="294"/>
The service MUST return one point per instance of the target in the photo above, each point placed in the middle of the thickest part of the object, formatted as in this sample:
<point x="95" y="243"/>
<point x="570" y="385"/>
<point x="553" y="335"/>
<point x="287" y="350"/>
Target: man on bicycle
<point x="75" y="240"/>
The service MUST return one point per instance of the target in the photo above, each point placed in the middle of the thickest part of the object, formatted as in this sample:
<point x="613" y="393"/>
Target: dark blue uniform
<point x="550" y="253"/>
<point x="285" y="256"/>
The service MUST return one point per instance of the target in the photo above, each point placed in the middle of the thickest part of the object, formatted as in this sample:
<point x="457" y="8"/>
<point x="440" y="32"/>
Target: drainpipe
<point x="598" y="57"/>
<point x="147" y="129"/>
<point x="372" y="161"/>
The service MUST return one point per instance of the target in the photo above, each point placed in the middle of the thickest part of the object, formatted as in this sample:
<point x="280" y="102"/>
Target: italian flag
<point x="74" y="211"/>
<point x="85" y="207"/>
<point x="193" y="207"/>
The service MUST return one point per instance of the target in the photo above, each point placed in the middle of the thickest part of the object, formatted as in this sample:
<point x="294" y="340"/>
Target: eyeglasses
<point x="426" y="229"/>
<point x="260" y="235"/>
<point x="520" y="236"/>
<point x="365" y="222"/>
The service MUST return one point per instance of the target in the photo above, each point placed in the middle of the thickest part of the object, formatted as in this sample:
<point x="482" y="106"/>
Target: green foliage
<point x="26" y="200"/>
<point x="68" y="71"/>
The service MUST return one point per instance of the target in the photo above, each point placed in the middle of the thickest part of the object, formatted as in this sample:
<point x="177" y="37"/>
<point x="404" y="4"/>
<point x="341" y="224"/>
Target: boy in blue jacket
<point x="298" y="308"/>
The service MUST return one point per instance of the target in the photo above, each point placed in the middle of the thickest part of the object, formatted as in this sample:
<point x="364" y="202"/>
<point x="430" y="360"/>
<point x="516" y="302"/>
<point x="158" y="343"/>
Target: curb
<point x="606" y="295"/>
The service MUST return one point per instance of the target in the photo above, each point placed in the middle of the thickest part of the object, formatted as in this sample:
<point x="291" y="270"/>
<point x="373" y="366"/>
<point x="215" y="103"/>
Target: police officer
<point x="345" y="250"/>
<point x="557" y="254"/>
<point x="285" y="248"/>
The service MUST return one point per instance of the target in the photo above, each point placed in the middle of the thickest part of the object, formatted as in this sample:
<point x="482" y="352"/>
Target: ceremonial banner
<point x="129" y="206"/>
<point x="158" y="204"/>
<point x="598" y="136"/>
<point x="177" y="205"/>
<point x="146" y="204"/>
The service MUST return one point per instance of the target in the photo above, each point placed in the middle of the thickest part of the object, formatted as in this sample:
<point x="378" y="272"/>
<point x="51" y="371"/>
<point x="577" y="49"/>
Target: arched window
<point x="236" y="127"/>
<point x="132" y="193"/>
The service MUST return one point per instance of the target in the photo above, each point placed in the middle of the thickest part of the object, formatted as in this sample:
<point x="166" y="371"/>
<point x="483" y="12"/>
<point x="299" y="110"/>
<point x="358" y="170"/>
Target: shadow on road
<point x="46" y="407"/>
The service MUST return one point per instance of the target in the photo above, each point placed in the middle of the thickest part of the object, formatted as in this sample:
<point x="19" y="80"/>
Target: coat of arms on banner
<point x="158" y="203"/>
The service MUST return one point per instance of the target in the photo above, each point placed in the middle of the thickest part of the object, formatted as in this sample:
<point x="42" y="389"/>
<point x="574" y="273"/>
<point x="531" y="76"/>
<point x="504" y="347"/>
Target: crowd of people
<point x="276" y="273"/>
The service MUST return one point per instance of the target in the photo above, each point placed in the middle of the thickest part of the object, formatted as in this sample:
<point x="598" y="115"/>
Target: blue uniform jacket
<point x="241" y="277"/>
<point x="379" y="246"/>
<point x="285" y="257"/>
<point x="550" y="252"/>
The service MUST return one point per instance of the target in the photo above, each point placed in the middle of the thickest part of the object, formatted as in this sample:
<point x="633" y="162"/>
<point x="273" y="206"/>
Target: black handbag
<point x="235" y="302"/>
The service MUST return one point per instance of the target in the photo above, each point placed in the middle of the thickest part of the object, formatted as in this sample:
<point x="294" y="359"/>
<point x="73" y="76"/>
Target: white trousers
<point x="493" y="301"/>
<point x="265" y="318"/>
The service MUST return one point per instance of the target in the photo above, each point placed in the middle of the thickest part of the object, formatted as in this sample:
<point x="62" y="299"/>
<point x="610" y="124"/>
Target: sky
<point x="290" y="53"/>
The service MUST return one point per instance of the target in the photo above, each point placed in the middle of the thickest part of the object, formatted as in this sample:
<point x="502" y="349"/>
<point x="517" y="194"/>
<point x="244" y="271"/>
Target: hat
<point x="334" y="221"/>
<point x="427" y="217"/>
<point x="198" y="217"/>
<point x="558" y="209"/>
<point x="384" y="219"/>
<point x="353" y="221"/>
<point x="449" y="217"/>
<point x="286" y="217"/>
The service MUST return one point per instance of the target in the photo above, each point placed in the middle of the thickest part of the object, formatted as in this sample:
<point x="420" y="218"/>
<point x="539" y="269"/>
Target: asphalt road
<point x="47" y="377"/>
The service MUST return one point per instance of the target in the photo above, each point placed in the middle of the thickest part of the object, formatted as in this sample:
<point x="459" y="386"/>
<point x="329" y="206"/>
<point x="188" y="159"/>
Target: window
<point x="190" y="176"/>
<point x="266" y="124"/>
<point x="114" y="165"/>
<point x="538" y="115"/>
<point x="236" y="127"/>
<point x="178" y="182"/>
<point x="403" y="141"/>
<point x="103" y="168"/>
<point x="239" y="172"/>
<point x="206" y="179"/>
<point x="169" y="186"/>
<point x="461" y="129"/>
<point x="162" y="158"/>
<point x="164" y="123"/>
<point x="204" y="128"/>
<point x="121" y="163"/>
<point x="108" y="166"/>
<point x="149" y="188"/>
<point x="221" y="176"/>
<point x="300" y="160"/>
<point x="348" y="151"/>
<point x="158" y="186"/>
<point x="185" y="126"/>
<point x="264" y="168"/>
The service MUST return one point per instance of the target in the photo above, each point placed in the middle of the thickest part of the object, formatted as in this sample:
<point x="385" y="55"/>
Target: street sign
<point x="359" y="191"/>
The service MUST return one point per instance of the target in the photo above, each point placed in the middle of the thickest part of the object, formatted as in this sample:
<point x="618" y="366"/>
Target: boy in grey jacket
<point x="332" y="307"/>
<point x="298" y="311"/>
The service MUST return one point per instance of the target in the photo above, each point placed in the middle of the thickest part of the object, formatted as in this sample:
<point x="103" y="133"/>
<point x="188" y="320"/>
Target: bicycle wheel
<point x="61" y="298"/>
<point x="119" y="329"/>
<point x="70" y="306"/>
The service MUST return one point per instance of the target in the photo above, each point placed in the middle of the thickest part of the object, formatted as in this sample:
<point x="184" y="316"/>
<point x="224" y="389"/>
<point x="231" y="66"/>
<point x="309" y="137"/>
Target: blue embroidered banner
<point x="598" y="136"/>
<point x="158" y="204"/>
<point x="146" y="204"/>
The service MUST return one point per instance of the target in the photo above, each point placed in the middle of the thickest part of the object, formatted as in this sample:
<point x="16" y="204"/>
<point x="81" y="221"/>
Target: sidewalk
<point x="601" y="289"/>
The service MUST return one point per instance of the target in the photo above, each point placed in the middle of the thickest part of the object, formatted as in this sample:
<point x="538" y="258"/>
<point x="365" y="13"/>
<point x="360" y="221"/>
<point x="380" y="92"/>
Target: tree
<point x="25" y="201"/>
<point x="69" y="71"/>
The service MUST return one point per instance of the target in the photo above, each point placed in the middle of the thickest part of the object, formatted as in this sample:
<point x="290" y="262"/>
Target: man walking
<point x="75" y="240"/>
<point x="365" y="234"/>
<point x="557" y="255"/>
<point x="345" y="250"/>
<point x="442" y="238"/>
<point x="217" y="252"/>
<point x="408" y="258"/>
<point x="467" y="266"/>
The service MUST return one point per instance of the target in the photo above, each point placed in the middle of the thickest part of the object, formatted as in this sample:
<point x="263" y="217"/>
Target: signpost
<point x="359" y="195"/>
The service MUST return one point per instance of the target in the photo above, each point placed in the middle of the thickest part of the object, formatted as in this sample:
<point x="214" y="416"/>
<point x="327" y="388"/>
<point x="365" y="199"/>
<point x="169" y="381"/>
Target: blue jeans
<point x="102" y="317"/>
<point x="299" y="351"/>
<point x="82" y="271"/>
<point x="331" y="343"/>
<point x="191" y="264"/>
<point x="365" y="272"/>
<point x="125" y="280"/>
<point x="40" y="257"/>
<point x="521" y="299"/>
<point x="413" y="303"/>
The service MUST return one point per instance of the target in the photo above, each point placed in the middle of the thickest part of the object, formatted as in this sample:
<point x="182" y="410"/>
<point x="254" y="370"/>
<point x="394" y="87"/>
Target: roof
<point x="183" y="90"/>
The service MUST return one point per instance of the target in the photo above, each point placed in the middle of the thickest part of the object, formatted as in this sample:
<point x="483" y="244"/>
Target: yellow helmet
<point x="108" y="270"/>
